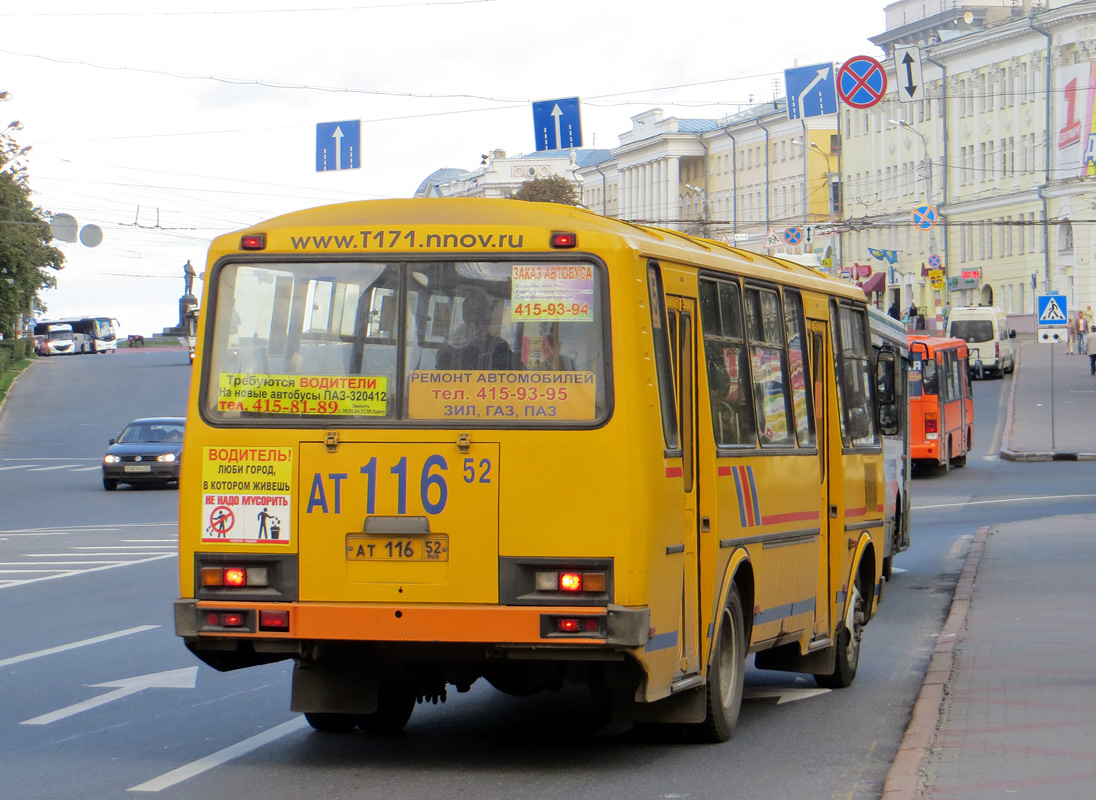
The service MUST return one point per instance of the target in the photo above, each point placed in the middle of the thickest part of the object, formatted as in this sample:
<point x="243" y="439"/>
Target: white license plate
<point x="138" y="468"/>
<point x="396" y="548"/>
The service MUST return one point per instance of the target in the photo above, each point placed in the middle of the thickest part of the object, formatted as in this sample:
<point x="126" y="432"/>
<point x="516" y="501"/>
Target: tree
<point x="553" y="189"/>
<point x="25" y="252"/>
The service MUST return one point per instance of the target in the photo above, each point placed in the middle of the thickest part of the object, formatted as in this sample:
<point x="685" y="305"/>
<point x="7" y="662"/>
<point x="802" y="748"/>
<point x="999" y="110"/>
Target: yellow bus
<point x="432" y="441"/>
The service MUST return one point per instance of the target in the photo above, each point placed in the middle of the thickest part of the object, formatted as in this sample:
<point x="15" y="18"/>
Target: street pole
<point x="1053" y="444"/>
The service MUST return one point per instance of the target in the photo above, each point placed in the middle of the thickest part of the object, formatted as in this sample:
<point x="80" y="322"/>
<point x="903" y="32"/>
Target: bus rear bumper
<point x="613" y="626"/>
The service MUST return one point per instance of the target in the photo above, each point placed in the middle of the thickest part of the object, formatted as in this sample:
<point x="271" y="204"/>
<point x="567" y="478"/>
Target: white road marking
<point x="50" y="563"/>
<point x="19" y="466"/>
<point x="185" y="678"/>
<point x="9" y="584"/>
<point x="26" y="571"/>
<point x="110" y="547"/>
<point x="48" y="469"/>
<point x="1005" y="500"/>
<point x="117" y="526"/>
<point x="786" y="695"/>
<point x="187" y="771"/>
<point x="106" y="637"/>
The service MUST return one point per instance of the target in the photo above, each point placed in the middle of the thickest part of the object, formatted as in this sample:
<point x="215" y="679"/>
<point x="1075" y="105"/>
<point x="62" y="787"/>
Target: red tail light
<point x="931" y="424"/>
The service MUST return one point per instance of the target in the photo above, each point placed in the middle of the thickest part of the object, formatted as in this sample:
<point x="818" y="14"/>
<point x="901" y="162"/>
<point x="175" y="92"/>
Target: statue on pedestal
<point x="188" y="277"/>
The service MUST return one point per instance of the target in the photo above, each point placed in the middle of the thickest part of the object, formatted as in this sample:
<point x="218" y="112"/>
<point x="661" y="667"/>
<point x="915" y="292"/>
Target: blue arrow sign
<point x="1052" y="310"/>
<point x="338" y="145"/>
<point x="557" y="124"/>
<point x="812" y="91"/>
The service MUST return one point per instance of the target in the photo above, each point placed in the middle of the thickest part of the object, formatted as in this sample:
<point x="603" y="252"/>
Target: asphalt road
<point x="101" y="700"/>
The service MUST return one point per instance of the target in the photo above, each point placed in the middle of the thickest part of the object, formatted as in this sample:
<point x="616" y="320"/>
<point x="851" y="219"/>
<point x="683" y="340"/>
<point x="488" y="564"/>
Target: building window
<point x="1065" y="237"/>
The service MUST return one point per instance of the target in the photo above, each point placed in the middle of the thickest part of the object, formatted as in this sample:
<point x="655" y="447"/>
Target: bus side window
<point x="660" y="331"/>
<point x="727" y="367"/>
<point x="856" y="380"/>
<point x="928" y="376"/>
<point x="764" y="323"/>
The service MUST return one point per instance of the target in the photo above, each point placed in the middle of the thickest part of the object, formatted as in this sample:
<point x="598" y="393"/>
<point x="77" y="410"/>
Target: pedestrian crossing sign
<point x="1052" y="309"/>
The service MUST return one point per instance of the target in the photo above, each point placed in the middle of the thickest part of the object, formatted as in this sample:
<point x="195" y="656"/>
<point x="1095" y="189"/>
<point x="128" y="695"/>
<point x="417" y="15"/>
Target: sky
<point x="166" y="127"/>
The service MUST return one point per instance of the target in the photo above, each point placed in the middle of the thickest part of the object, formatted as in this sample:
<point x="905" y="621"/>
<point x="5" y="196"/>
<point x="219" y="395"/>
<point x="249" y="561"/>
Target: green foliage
<point x="25" y="252"/>
<point x="553" y="189"/>
<point x="14" y="350"/>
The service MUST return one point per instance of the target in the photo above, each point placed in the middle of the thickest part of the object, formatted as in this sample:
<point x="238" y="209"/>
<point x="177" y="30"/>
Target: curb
<point x="904" y="778"/>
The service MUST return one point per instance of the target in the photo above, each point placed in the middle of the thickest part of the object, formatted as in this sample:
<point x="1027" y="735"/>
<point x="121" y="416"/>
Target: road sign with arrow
<point x="557" y="124"/>
<point x="907" y="74"/>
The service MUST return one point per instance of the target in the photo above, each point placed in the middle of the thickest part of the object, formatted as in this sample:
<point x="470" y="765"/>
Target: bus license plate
<point x="138" y="468"/>
<point x="398" y="548"/>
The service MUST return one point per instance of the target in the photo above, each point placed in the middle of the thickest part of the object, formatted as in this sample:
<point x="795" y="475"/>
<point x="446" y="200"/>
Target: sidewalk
<point x="1008" y="706"/>
<point x="1034" y="429"/>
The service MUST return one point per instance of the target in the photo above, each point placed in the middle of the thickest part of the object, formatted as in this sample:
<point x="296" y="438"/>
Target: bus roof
<point x="934" y="343"/>
<point x="456" y="214"/>
<point x="887" y="325"/>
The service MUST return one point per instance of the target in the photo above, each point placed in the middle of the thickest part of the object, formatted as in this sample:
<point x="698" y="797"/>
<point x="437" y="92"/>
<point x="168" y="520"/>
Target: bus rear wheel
<point x="395" y="702"/>
<point x="848" y="644"/>
<point x="726" y="676"/>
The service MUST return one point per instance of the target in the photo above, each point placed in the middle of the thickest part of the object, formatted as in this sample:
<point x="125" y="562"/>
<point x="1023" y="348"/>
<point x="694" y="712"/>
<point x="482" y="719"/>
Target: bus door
<point x="819" y="334"/>
<point x="681" y="315"/>
<point x="953" y="403"/>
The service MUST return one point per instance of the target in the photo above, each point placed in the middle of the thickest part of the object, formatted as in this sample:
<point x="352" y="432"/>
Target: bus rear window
<point x="469" y="343"/>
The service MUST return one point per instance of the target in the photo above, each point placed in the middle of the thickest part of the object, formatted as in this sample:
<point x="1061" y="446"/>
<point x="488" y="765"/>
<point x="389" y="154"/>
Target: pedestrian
<point x="1090" y="345"/>
<point x="1071" y="334"/>
<point x="1082" y="334"/>
<point x="895" y="310"/>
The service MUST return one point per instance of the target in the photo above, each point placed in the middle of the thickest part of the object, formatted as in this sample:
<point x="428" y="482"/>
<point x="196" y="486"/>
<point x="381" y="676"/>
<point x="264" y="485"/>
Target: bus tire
<point x="848" y="644"/>
<point x="395" y="702"/>
<point x="331" y="723"/>
<point x="110" y="484"/>
<point x="726" y="676"/>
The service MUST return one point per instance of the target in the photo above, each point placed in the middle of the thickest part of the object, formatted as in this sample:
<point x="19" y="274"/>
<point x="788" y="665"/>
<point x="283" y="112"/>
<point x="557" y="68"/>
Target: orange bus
<point x="941" y="402"/>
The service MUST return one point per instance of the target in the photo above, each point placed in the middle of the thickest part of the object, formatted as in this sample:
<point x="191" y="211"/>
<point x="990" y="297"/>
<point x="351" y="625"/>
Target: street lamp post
<point x="835" y="253"/>
<point x="703" y="195"/>
<point x="901" y="123"/>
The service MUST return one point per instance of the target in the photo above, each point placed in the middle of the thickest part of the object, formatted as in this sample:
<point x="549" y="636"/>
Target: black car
<point x="148" y="451"/>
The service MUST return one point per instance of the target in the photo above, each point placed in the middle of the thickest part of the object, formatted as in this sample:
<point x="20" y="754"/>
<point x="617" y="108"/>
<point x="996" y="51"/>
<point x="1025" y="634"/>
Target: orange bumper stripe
<point x="487" y="624"/>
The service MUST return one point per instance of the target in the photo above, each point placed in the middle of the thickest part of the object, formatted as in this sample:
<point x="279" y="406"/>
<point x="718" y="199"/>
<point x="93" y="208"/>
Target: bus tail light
<point x="226" y="619"/>
<point x="235" y="577"/>
<point x="253" y="241"/>
<point x="273" y="620"/>
<point x="594" y="627"/>
<point x="932" y="426"/>
<point x="563" y="241"/>
<point x="570" y="581"/>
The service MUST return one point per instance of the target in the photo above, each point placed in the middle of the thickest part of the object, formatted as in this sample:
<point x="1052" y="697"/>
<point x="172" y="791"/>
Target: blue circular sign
<point x="923" y="217"/>
<point x="861" y="82"/>
<point x="793" y="235"/>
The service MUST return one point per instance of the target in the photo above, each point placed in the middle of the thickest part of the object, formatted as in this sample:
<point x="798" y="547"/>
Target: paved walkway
<point x="1008" y="706"/>
<point x="1038" y="429"/>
